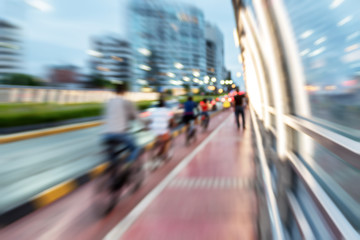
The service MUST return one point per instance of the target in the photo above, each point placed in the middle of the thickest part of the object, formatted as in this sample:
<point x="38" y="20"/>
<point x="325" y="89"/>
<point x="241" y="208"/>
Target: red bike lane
<point x="211" y="196"/>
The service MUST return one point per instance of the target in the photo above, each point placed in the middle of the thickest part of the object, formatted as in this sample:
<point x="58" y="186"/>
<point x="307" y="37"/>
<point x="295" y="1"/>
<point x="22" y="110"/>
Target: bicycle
<point x="191" y="135"/>
<point x="120" y="179"/>
<point x="162" y="152"/>
<point x="205" y="119"/>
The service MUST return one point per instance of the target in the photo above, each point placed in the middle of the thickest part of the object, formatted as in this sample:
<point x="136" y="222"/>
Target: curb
<point x="61" y="190"/>
<point x="40" y="133"/>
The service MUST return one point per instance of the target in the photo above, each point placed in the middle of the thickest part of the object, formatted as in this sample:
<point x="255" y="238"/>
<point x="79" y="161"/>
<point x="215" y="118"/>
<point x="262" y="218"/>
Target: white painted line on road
<point x="117" y="232"/>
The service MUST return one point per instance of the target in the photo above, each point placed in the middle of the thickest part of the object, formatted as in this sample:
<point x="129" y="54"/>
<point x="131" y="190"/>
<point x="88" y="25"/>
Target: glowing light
<point x="330" y="87"/>
<point x="196" y="74"/>
<point x="304" y="52"/>
<point x="211" y="88"/>
<point x="102" y="69"/>
<point x="238" y="74"/>
<point x="117" y="58"/>
<point x="320" y="40"/>
<point x="352" y="47"/>
<point x="233" y="86"/>
<point x="349" y="83"/>
<point x="213" y="79"/>
<point x="196" y="80"/>
<point x="178" y="65"/>
<point x="240" y="58"/>
<point x="220" y="91"/>
<point x="94" y="53"/>
<point x="142" y="81"/>
<point x="222" y="82"/>
<point x="306" y="34"/>
<point x="344" y="21"/>
<point x="186" y="79"/>
<point x="336" y="3"/>
<point x="317" y="52"/>
<point x="40" y="5"/>
<point x="144" y="67"/>
<point x="353" y="35"/>
<point x="170" y="74"/>
<point x="311" y="88"/>
<point x="144" y="51"/>
<point x="8" y="45"/>
<point x="206" y="78"/>
<point x="236" y="39"/>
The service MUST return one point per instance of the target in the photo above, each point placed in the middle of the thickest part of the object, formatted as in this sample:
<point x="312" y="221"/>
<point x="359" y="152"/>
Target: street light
<point x="178" y="65"/>
<point x="144" y="51"/>
<point x="196" y="74"/>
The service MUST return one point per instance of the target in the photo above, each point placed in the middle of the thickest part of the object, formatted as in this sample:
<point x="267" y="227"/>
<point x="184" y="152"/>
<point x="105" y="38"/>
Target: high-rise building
<point x="169" y="45"/>
<point x="111" y="59"/>
<point x="214" y="53"/>
<point x="10" y="48"/>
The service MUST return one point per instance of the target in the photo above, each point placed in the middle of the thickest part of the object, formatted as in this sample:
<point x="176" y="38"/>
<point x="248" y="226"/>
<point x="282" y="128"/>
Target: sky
<point x="59" y="31"/>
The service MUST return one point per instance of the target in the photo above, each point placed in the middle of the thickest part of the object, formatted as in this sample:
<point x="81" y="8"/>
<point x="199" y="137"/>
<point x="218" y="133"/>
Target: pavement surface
<point x="204" y="192"/>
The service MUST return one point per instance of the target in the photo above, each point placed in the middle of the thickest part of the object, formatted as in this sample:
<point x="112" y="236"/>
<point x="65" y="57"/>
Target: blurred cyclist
<point x="118" y="115"/>
<point x="160" y="119"/>
<point x="189" y="107"/>
<point x="204" y="107"/>
<point x="239" y="101"/>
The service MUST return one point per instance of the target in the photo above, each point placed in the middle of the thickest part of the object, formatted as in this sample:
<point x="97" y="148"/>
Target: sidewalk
<point x="212" y="197"/>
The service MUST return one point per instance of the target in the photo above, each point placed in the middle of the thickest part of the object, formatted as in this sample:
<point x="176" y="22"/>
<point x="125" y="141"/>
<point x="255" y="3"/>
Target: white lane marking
<point x="117" y="232"/>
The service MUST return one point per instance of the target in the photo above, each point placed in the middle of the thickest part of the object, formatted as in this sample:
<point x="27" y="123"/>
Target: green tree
<point x="21" y="79"/>
<point x="97" y="81"/>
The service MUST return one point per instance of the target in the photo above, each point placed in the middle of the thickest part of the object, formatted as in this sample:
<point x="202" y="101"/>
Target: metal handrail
<point x="303" y="225"/>
<point x="346" y="148"/>
<point x="344" y="229"/>
<point x="276" y="224"/>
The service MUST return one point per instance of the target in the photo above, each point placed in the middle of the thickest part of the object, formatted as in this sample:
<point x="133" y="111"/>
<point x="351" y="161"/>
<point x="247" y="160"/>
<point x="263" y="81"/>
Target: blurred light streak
<point x="336" y="3"/>
<point x="40" y="5"/>
<point x="311" y="88"/>
<point x="306" y="34"/>
<point x="117" y="58"/>
<point x="178" y="65"/>
<point x="352" y="47"/>
<point x="196" y="74"/>
<point x="236" y="39"/>
<point x="349" y="83"/>
<point x="144" y="67"/>
<point x="170" y="74"/>
<point x="330" y="87"/>
<point x="304" y="52"/>
<point x="94" y="53"/>
<point x="144" y="51"/>
<point x="9" y="45"/>
<point x="186" y="79"/>
<point x="320" y="40"/>
<point x="211" y="88"/>
<point x="102" y="69"/>
<point x="317" y="52"/>
<point x="353" y="35"/>
<point x="344" y="21"/>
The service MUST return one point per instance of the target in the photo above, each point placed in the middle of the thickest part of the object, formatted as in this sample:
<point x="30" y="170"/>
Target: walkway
<point x="210" y="195"/>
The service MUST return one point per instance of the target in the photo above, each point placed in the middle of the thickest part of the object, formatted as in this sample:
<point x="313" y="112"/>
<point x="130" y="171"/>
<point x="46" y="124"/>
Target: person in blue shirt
<point x="189" y="107"/>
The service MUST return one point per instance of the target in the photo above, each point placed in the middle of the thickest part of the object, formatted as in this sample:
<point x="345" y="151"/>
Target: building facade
<point x="214" y="53"/>
<point x="112" y="59"/>
<point x="10" y="48"/>
<point x="168" y="41"/>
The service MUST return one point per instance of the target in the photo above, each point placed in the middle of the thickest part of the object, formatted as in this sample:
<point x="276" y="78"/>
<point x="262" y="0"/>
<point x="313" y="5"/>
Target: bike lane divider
<point x="118" y="231"/>
<point x="61" y="190"/>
